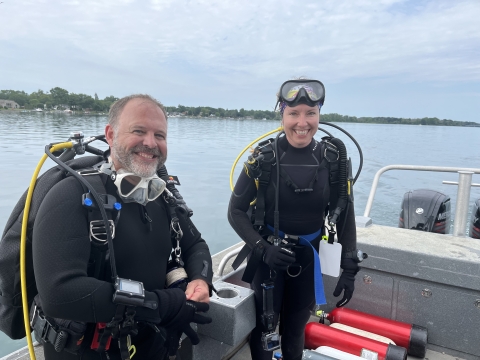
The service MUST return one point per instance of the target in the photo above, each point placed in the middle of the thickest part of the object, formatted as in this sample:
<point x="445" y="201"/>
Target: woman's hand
<point x="279" y="258"/>
<point x="346" y="282"/>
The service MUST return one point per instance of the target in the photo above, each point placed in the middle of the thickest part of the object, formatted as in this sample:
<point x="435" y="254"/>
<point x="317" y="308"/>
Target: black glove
<point x="181" y="323"/>
<point x="346" y="281"/>
<point x="176" y="313"/>
<point x="279" y="257"/>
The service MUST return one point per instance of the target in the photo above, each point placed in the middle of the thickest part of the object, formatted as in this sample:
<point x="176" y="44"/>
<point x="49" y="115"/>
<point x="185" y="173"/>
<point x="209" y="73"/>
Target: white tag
<point x="369" y="354"/>
<point x="330" y="255"/>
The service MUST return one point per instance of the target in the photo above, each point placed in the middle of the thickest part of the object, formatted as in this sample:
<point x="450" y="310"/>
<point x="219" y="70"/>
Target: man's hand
<point x="189" y="312"/>
<point x="197" y="290"/>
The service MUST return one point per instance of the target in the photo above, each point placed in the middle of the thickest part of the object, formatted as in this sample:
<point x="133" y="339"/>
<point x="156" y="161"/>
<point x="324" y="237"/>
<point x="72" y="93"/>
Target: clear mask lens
<point x="293" y="92"/>
<point x="293" y="89"/>
<point x="135" y="188"/>
<point x="128" y="184"/>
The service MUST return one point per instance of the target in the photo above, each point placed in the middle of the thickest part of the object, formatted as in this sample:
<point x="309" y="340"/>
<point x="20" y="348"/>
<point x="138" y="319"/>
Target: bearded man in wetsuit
<point x="137" y="135"/>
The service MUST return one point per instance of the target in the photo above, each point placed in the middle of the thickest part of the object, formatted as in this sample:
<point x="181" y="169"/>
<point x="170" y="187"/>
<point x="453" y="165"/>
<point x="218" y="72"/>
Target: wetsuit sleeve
<point x="195" y="251"/>
<point x="244" y="192"/>
<point x="346" y="229"/>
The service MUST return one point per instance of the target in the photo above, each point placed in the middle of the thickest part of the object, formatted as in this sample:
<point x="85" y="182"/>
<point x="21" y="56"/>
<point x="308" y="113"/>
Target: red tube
<point x="322" y="335"/>
<point x="411" y="337"/>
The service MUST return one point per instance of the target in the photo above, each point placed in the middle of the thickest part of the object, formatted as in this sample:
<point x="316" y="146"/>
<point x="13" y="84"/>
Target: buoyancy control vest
<point x="332" y="155"/>
<point x="260" y="163"/>
<point x="11" y="313"/>
<point x="11" y="316"/>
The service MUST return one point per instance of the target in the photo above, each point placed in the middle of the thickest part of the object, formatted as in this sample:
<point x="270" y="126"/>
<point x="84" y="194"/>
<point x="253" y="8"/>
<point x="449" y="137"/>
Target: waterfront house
<point x="9" y="104"/>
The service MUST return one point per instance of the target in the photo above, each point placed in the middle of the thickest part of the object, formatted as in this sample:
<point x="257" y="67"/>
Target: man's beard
<point x="127" y="161"/>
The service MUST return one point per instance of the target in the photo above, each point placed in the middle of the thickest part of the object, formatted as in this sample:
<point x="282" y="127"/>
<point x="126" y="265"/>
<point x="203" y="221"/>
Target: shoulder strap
<point x="98" y="251"/>
<point x="330" y="159"/>
<point x="265" y="161"/>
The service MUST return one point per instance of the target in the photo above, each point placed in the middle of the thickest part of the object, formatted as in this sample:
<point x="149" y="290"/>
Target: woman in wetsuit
<point x="304" y="193"/>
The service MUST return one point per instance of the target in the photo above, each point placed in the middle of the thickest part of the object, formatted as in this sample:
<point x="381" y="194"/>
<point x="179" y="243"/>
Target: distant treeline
<point x="205" y="111"/>
<point x="58" y="98"/>
<point x="392" y="120"/>
<point x="265" y="114"/>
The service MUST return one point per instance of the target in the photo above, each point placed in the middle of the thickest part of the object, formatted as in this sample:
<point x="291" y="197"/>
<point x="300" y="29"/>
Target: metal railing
<point x="463" y="194"/>
<point x="223" y="262"/>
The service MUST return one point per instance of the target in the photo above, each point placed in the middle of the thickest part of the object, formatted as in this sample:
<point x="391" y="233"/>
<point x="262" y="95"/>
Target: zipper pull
<point x="147" y="218"/>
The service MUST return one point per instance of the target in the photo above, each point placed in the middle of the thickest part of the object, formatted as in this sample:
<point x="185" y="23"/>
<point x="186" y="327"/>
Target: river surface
<point x="201" y="153"/>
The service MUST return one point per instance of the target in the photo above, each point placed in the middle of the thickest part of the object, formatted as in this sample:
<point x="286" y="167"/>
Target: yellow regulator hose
<point x="23" y="246"/>
<point x="246" y="148"/>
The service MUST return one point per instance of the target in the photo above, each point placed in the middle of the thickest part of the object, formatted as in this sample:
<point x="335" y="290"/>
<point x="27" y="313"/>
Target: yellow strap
<point x="132" y="350"/>
<point x="245" y="149"/>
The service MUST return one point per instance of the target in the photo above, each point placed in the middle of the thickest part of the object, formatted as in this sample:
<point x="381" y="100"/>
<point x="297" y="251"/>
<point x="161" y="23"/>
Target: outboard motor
<point x="475" y="221"/>
<point x="425" y="210"/>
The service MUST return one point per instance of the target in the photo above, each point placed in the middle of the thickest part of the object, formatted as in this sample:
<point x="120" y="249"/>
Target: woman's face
<point x="300" y="123"/>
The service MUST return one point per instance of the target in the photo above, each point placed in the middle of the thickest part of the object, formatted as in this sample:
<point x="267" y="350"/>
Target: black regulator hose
<point x="342" y="180"/>
<point x="163" y="174"/>
<point x="360" y="153"/>
<point x="325" y="131"/>
<point x="276" y="213"/>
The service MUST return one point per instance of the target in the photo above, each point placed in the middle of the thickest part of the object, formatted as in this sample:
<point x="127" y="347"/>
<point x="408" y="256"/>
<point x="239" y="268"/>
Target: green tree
<point x="34" y="103"/>
<point x="111" y="99"/>
<point x="86" y="101"/>
<point x="42" y="97"/>
<point x="74" y="100"/>
<point x="59" y="96"/>
<point x="98" y="105"/>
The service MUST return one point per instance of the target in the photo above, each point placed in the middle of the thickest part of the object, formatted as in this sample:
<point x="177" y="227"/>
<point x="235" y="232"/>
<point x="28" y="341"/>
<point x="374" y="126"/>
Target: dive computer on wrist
<point x="128" y="292"/>
<point x="357" y="255"/>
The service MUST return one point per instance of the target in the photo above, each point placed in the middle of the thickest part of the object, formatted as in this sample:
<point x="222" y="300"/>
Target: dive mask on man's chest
<point x="133" y="188"/>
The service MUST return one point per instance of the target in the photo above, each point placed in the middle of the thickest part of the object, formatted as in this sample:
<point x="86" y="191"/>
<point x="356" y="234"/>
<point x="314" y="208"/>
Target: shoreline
<point x="334" y="118"/>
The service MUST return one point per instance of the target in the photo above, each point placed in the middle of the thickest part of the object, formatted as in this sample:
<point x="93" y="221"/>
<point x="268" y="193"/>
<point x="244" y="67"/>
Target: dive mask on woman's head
<point x="133" y="188"/>
<point x="294" y="92"/>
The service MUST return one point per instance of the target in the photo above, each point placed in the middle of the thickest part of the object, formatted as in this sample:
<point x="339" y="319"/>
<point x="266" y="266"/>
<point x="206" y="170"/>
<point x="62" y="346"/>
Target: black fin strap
<point x="241" y="256"/>
<point x="254" y="261"/>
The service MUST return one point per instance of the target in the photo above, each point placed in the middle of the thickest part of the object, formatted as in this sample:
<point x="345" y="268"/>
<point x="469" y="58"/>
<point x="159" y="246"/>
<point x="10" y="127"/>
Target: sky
<point x="398" y="58"/>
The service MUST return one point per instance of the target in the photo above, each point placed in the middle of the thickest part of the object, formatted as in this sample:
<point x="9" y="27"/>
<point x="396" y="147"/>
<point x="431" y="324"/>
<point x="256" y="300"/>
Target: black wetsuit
<point x="61" y="251"/>
<point x="301" y="213"/>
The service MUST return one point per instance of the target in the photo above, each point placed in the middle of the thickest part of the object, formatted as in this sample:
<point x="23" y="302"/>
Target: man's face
<point x="139" y="144"/>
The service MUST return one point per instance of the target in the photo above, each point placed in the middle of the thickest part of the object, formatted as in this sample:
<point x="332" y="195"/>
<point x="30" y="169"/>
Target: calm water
<point x="201" y="153"/>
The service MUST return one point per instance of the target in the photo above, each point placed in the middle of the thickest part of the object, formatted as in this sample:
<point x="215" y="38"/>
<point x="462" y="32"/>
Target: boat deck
<point x="242" y="354"/>
<point x="433" y="352"/>
<point x="405" y="278"/>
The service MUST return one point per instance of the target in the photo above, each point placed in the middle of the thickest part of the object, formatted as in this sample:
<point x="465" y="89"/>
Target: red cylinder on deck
<point x="411" y="337"/>
<point x="322" y="335"/>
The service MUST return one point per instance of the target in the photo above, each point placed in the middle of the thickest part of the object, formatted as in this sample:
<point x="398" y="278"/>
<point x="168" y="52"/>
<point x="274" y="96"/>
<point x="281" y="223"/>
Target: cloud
<point x="340" y="38"/>
<point x="235" y="45"/>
